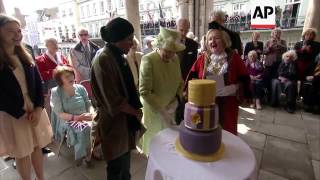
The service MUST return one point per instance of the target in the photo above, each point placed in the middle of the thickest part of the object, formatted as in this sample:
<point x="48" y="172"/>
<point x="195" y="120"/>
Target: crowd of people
<point x="108" y="98"/>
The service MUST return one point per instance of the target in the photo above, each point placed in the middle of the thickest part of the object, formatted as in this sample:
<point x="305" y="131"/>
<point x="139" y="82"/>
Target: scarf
<point x="218" y="64"/>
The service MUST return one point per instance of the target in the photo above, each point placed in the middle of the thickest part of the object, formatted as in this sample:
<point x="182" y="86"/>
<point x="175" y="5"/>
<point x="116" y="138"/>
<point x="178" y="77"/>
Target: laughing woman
<point x="24" y="125"/>
<point x="222" y="62"/>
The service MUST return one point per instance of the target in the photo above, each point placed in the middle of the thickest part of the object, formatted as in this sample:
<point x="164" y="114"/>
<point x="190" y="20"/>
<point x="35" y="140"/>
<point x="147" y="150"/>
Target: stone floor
<point x="287" y="147"/>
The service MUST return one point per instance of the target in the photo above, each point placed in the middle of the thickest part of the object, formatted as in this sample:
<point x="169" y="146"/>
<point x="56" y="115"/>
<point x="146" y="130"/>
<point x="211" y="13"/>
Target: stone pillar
<point x="183" y="8"/>
<point x="312" y="19"/>
<point x="208" y="10"/>
<point x="191" y="15"/>
<point x="76" y="9"/>
<point x="202" y="17"/>
<point x="196" y="18"/>
<point x="2" y="9"/>
<point x="133" y="16"/>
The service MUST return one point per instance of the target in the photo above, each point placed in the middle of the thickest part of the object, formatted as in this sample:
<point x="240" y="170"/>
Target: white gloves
<point x="168" y="113"/>
<point x="228" y="90"/>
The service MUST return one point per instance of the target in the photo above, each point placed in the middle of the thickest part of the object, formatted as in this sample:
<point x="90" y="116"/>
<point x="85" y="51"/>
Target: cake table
<point x="237" y="163"/>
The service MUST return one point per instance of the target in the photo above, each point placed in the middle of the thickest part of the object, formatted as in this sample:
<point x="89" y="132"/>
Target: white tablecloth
<point x="237" y="163"/>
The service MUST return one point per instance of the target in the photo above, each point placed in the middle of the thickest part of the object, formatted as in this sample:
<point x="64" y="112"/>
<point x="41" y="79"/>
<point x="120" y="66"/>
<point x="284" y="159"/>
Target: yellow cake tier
<point x="202" y="92"/>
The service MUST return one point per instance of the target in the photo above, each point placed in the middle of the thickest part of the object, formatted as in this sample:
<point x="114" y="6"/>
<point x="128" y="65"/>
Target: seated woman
<point x="255" y="69"/>
<point x="286" y="81"/>
<point x="311" y="87"/>
<point x="71" y="113"/>
<point x="222" y="62"/>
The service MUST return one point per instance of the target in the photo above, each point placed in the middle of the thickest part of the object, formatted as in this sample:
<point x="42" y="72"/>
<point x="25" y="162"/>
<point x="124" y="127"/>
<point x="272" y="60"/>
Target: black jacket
<point x="188" y="56"/>
<point x="249" y="47"/>
<point x="11" y="98"/>
<point x="288" y="70"/>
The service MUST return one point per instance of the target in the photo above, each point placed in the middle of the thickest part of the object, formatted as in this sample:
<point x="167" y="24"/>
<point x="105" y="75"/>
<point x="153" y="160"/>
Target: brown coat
<point x="107" y="84"/>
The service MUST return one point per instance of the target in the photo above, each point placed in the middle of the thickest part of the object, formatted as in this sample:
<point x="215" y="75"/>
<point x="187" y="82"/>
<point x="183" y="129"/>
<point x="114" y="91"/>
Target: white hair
<point x="82" y="29"/>
<point x="190" y="35"/>
<point x="276" y="30"/>
<point x="252" y="53"/>
<point x="50" y="39"/>
<point x="219" y="14"/>
<point x="288" y="54"/>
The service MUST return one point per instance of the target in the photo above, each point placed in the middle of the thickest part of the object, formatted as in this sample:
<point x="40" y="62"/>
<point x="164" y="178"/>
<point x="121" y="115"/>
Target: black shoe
<point x="46" y="150"/>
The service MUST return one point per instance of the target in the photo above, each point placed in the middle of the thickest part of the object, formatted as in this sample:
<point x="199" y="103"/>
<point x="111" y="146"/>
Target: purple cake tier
<point x="202" y="143"/>
<point x="201" y="118"/>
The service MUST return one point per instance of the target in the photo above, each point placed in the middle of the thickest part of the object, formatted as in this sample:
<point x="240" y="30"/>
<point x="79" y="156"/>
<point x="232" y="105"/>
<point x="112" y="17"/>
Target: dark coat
<point x="118" y="130"/>
<point x="288" y="70"/>
<point x="250" y="46"/>
<point x="188" y="56"/>
<point x="305" y="57"/>
<point x="11" y="96"/>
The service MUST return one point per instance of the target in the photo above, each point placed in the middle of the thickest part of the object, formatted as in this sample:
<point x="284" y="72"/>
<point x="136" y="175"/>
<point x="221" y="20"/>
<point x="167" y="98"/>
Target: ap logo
<point x="263" y="14"/>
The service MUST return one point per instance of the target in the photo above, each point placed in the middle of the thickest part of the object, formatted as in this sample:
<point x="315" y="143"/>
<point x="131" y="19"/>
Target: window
<point x="96" y="30"/>
<point x="121" y="3"/>
<point x="88" y="10"/>
<point x="236" y="7"/>
<point x="101" y="7"/>
<point x="141" y="7"/>
<point x="63" y="13"/>
<point x="82" y="11"/>
<point x="70" y="12"/>
<point x="94" y="9"/>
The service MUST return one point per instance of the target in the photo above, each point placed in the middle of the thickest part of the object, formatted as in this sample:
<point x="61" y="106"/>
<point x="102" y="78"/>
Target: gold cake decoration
<point x="196" y="119"/>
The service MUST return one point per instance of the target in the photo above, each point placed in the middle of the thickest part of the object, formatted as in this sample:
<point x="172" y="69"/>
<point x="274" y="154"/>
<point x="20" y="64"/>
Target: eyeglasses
<point x="83" y="34"/>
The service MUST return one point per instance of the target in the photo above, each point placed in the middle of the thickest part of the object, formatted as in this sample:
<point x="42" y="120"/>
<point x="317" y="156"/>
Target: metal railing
<point x="243" y="23"/>
<point x="153" y="28"/>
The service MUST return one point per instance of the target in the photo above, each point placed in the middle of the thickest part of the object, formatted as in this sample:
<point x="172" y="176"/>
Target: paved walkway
<point x="287" y="147"/>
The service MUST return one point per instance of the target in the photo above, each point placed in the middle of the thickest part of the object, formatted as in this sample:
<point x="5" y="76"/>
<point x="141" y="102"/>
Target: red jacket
<point x="237" y="71"/>
<point x="46" y="65"/>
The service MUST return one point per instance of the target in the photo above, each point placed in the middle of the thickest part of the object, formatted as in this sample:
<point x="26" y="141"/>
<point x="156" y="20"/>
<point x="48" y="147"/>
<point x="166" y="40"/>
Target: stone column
<point x="133" y="16"/>
<point x="202" y="18"/>
<point x="208" y="10"/>
<point x="312" y="19"/>
<point x="191" y="15"/>
<point x="183" y="8"/>
<point x="196" y="18"/>
<point x="2" y="9"/>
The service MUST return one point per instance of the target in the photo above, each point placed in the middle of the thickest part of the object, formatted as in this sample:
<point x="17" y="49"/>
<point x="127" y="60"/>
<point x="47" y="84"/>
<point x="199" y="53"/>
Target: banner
<point x="263" y="14"/>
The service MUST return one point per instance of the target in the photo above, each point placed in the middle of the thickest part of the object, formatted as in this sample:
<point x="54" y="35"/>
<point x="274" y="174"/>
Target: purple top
<point x="255" y="68"/>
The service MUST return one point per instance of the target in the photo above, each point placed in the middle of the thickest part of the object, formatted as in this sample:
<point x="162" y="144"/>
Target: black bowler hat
<point x="116" y="30"/>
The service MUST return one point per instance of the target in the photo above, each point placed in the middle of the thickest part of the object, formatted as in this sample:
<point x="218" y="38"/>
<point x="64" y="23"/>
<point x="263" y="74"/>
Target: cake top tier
<point x="201" y="92"/>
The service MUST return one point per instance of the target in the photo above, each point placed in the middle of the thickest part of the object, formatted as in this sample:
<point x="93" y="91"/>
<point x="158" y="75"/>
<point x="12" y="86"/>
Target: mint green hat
<point x="168" y="39"/>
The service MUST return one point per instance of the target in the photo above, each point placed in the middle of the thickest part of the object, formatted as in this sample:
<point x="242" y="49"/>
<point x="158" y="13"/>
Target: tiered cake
<point x="200" y="133"/>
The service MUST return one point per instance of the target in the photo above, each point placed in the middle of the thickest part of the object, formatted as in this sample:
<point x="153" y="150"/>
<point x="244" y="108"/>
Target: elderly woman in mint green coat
<point x="160" y="84"/>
